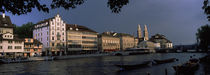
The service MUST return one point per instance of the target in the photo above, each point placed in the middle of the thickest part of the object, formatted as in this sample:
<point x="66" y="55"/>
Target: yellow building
<point x="32" y="47"/>
<point x="126" y="41"/>
<point x="81" y="40"/>
<point x="108" y="42"/>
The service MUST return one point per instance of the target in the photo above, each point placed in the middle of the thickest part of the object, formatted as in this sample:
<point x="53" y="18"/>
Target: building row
<point x="54" y="36"/>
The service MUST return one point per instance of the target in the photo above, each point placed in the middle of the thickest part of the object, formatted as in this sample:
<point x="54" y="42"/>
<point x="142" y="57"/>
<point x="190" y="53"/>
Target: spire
<point x="146" y="36"/>
<point x="139" y="31"/>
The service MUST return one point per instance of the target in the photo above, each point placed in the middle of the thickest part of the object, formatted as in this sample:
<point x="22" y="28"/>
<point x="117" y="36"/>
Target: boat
<point x="189" y="67"/>
<point x="135" y="66"/>
<point x="157" y="61"/>
<point x="7" y="61"/>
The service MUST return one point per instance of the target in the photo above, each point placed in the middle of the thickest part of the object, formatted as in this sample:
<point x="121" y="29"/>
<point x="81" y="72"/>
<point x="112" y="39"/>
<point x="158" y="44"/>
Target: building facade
<point x="162" y="41"/>
<point x="81" y="40"/>
<point x="52" y="34"/>
<point x="108" y="42"/>
<point x="126" y="41"/>
<point x="32" y="47"/>
<point x="10" y="45"/>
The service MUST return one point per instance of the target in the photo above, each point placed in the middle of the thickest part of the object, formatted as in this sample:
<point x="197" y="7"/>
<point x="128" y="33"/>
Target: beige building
<point x="108" y="42"/>
<point x="81" y="39"/>
<point x="32" y="47"/>
<point x="9" y="44"/>
<point x="126" y="41"/>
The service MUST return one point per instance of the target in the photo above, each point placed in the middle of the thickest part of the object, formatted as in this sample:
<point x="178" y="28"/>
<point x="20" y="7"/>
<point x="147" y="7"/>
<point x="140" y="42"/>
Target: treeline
<point x="203" y="37"/>
<point x="24" y="31"/>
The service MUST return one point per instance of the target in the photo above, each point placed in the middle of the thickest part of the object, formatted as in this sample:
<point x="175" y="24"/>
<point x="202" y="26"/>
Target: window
<point x="47" y="32"/>
<point x="9" y="47"/>
<point x="41" y="39"/>
<point x="53" y="44"/>
<point x="52" y="38"/>
<point x="63" y="33"/>
<point x="0" y="47"/>
<point x="47" y="43"/>
<point x="41" y="34"/>
<point x="9" y="41"/>
<point x="47" y="38"/>
<point x="62" y="28"/>
<point x="58" y="38"/>
<point x="57" y="28"/>
<point x="29" y="40"/>
<point x="18" y="47"/>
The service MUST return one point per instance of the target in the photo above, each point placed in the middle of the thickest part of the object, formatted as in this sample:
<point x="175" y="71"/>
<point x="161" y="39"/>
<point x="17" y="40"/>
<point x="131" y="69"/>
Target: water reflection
<point x="97" y="65"/>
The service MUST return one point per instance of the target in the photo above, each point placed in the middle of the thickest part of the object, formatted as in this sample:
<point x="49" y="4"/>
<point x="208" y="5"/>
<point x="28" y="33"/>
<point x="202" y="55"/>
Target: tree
<point x="203" y="37"/>
<point x="206" y="8"/>
<point x="24" y="31"/>
<point x="18" y="7"/>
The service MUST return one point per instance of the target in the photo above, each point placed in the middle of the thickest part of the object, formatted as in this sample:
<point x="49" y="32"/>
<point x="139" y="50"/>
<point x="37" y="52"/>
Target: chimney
<point x="3" y="15"/>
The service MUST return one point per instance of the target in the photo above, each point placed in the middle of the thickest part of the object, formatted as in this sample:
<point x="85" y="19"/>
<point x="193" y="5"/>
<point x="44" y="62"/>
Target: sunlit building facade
<point x="108" y="42"/>
<point x="32" y="47"/>
<point x="81" y="40"/>
<point x="10" y="45"/>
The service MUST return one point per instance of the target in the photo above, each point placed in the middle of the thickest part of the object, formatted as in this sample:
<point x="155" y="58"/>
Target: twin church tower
<point x="139" y="34"/>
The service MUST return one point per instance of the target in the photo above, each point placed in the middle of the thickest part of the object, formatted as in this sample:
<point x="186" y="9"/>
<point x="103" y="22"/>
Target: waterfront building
<point x="136" y="41"/>
<point x="10" y="45"/>
<point x="32" y="47"/>
<point x="147" y="45"/>
<point x="81" y="39"/>
<point x="126" y="41"/>
<point x="52" y="34"/>
<point x="108" y="42"/>
<point x="162" y="41"/>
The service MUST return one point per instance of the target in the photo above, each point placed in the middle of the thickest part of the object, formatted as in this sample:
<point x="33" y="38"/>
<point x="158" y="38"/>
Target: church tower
<point x="139" y="32"/>
<point x="146" y="35"/>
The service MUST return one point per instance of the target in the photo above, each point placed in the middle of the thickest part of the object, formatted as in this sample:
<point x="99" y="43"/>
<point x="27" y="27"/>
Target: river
<point x="103" y="65"/>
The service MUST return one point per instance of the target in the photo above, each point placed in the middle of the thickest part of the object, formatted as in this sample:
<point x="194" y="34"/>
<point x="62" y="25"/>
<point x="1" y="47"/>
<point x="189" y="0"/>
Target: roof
<point x="79" y="27"/>
<point x="124" y="34"/>
<point x="45" y="20"/>
<point x="6" y="21"/>
<point x="159" y="36"/>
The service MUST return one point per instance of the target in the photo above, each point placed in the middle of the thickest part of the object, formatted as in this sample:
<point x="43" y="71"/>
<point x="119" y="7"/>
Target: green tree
<point x="203" y="37"/>
<point x="24" y="31"/>
<point x="24" y="6"/>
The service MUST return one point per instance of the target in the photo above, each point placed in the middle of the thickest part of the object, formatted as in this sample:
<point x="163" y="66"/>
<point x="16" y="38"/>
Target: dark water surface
<point x="98" y="65"/>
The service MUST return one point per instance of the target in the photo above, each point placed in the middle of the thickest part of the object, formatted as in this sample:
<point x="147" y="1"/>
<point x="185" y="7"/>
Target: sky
<point x="178" y="20"/>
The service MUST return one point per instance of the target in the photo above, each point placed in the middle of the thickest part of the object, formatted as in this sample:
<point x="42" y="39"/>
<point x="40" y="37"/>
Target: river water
<point x="103" y="65"/>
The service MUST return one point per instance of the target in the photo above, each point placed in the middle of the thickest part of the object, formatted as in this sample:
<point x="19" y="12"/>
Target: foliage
<point x="203" y="37"/>
<point x="18" y="7"/>
<point x="24" y="31"/>
<point x="206" y="8"/>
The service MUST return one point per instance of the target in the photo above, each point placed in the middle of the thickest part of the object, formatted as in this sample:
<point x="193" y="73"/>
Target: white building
<point x="52" y="34"/>
<point x="9" y="44"/>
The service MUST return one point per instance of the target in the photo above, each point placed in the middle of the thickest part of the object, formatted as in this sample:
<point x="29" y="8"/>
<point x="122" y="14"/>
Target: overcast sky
<point x="178" y="20"/>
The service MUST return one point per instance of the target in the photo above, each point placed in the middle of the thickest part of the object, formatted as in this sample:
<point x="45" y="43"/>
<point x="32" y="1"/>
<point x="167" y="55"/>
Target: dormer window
<point x="70" y="28"/>
<point x="5" y="25"/>
<point x="77" y="29"/>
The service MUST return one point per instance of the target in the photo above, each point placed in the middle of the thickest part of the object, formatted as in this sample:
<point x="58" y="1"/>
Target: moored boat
<point x="7" y="61"/>
<point x="157" y="61"/>
<point x="135" y="66"/>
